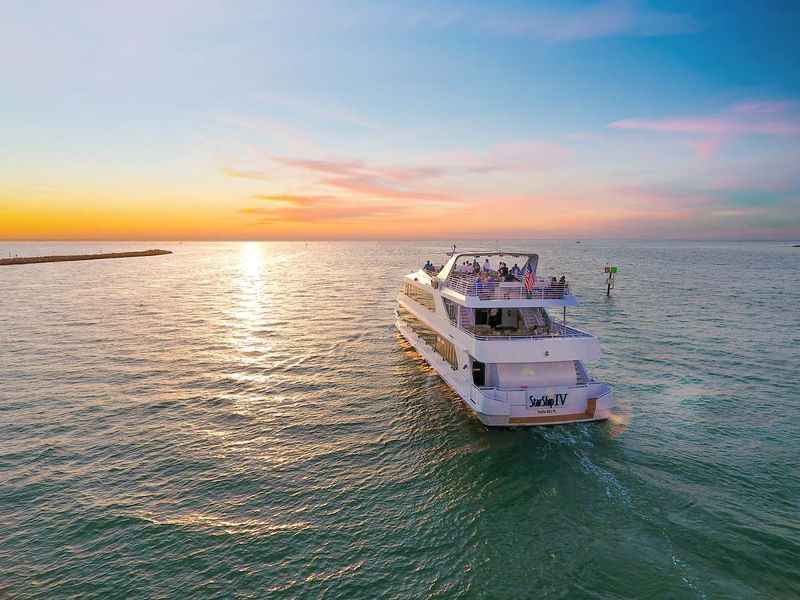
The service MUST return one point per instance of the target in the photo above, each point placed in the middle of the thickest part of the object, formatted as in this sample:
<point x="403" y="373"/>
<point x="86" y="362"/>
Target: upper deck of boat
<point x="484" y="279"/>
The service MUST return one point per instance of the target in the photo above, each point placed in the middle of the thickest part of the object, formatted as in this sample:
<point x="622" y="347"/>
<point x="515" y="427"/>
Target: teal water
<point x="242" y="420"/>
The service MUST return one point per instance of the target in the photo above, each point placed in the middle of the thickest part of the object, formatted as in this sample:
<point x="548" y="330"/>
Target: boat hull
<point x="523" y="407"/>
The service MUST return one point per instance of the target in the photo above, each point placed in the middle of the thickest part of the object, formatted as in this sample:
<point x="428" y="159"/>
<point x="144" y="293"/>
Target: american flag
<point x="528" y="280"/>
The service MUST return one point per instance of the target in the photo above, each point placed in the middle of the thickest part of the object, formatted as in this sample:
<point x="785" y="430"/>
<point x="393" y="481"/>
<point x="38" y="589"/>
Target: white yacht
<point x="482" y="322"/>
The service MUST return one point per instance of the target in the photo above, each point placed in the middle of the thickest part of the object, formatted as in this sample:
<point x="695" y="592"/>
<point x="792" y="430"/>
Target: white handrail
<point x="571" y="332"/>
<point x="471" y="285"/>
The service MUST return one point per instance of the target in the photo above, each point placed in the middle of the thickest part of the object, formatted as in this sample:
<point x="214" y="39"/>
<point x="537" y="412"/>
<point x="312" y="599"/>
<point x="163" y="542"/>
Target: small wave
<point x="613" y="487"/>
<point x="231" y="526"/>
<point x="682" y="567"/>
<point x="574" y="435"/>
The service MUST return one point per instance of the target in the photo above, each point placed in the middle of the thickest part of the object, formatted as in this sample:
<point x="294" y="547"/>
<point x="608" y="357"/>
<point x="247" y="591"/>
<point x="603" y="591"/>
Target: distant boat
<point x="493" y="342"/>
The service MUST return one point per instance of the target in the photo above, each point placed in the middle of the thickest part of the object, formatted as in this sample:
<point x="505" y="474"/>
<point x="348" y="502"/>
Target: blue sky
<point x="376" y="119"/>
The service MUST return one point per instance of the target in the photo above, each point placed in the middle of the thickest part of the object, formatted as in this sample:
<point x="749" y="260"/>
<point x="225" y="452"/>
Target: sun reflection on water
<point x="252" y="303"/>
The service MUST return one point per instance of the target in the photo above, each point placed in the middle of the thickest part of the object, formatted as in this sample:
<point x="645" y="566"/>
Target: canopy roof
<point x="494" y="256"/>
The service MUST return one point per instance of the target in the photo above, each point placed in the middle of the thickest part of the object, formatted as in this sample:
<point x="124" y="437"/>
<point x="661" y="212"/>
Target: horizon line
<point x="443" y="240"/>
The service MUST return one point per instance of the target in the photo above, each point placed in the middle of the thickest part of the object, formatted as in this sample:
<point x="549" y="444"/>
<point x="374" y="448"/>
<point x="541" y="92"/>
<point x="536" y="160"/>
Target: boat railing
<point x="558" y="331"/>
<point x="471" y="285"/>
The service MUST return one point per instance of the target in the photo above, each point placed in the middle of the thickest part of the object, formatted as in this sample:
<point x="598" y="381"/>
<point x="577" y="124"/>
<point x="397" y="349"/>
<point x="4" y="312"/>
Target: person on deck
<point x="516" y="271"/>
<point x="486" y="266"/>
<point x="480" y="284"/>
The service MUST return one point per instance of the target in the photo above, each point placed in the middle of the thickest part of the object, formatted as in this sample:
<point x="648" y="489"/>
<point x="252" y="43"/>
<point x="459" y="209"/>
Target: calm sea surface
<point x="243" y="420"/>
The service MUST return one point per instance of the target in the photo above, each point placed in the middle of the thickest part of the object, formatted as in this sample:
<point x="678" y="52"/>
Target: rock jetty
<point x="27" y="260"/>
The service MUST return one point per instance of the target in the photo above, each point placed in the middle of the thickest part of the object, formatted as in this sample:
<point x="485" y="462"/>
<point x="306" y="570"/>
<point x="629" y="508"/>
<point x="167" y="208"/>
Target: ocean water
<point x="242" y="420"/>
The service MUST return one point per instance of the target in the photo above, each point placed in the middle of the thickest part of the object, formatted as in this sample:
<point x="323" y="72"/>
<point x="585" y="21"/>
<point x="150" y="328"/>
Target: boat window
<point x="514" y="375"/>
<point x="511" y="322"/>
<point x="478" y="373"/>
<point x="452" y="310"/>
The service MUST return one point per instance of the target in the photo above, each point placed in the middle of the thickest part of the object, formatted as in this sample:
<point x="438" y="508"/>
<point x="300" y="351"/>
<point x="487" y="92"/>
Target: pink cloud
<point x="766" y="118"/>
<point x="357" y="177"/>
<point x="708" y="148"/>
<point x="353" y="188"/>
<point x="740" y="119"/>
<point x="368" y="185"/>
<point x="375" y="181"/>
<point x="411" y="173"/>
<point x="711" y="126"/>
<point x="332" y="167"/>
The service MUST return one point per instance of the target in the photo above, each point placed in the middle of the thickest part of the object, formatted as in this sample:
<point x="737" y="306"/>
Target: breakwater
<point x="26" y="260"/>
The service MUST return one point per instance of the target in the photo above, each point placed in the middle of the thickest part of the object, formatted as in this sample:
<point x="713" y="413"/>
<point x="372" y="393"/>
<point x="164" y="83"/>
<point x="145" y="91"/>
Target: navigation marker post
<point x="612" y="271"/>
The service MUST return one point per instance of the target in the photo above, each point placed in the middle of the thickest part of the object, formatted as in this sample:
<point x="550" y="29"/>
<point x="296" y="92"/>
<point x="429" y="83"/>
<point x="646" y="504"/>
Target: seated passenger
<point x="516" y="271"/>
<point x="503" y="272"/>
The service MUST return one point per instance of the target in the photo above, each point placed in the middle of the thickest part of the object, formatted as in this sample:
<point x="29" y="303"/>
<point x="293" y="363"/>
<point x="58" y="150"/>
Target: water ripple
<point x="243" y="420"/>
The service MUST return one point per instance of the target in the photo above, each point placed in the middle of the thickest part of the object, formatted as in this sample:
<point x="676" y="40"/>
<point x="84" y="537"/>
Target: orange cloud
<point x="320" y="210"/>
<point x="293" y="199"/>
<point x="240" y="174"/>
<point x="357" y="177"/>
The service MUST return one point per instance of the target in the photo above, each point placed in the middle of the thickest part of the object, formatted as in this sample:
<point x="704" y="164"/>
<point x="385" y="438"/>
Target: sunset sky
<point x="194" y="119"/>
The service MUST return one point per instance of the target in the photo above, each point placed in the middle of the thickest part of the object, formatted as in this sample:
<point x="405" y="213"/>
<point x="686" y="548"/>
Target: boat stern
<point x="542" y="406"/>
